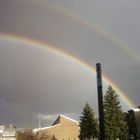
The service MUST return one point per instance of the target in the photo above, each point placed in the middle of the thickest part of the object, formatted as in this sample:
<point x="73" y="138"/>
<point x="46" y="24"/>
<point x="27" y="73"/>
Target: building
<point x="1" y="129"/>
<point x="133" y="120"/>
<point x="63" y="128"/>
<point x="7" y="133"/>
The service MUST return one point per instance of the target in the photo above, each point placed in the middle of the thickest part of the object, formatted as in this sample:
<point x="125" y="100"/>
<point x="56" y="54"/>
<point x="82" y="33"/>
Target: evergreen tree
<point x="115" y="124"/>
<point x="88" y="124"/>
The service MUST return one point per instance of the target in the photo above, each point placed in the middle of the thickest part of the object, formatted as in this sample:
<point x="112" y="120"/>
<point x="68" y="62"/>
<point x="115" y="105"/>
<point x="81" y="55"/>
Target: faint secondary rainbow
<point x="66" y="56"/>
<point x="92" y="26"/>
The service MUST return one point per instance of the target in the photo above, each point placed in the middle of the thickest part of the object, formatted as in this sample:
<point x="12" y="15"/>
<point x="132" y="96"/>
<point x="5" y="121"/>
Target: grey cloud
<point x="33" y="72"/>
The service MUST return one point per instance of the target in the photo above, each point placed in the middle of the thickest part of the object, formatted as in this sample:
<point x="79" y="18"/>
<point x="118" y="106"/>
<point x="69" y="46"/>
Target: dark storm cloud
<point x="34" y="73"/>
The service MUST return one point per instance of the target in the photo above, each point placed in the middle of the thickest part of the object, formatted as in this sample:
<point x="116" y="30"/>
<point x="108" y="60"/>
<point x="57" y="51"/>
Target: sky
<point x="37" y="81"/>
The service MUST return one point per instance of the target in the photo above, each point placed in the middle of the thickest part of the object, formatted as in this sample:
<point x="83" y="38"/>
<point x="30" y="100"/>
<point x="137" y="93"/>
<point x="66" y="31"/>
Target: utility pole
<point x="39" y="125"/>
<point x="39" y="121"/>
<point x="100" y="101"/>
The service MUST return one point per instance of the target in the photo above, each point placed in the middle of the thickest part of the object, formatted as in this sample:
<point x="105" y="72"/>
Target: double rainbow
<point x="67" y="56"/>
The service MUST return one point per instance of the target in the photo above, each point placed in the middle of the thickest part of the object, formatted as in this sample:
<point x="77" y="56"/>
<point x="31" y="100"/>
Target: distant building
<point x="7" y="133"/>
<point x="63" y="128"/>
<point x="1" y="129"/>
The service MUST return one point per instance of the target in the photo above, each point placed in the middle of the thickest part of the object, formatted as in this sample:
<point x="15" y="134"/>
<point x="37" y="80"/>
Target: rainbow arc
<point x="69" y="57"/>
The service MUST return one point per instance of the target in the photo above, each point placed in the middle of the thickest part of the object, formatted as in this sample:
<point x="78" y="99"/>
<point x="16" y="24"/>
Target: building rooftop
<point x="57" y="122"/>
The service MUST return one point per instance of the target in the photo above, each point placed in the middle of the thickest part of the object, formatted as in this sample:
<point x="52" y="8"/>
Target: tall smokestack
<point x="100" y="101"/>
